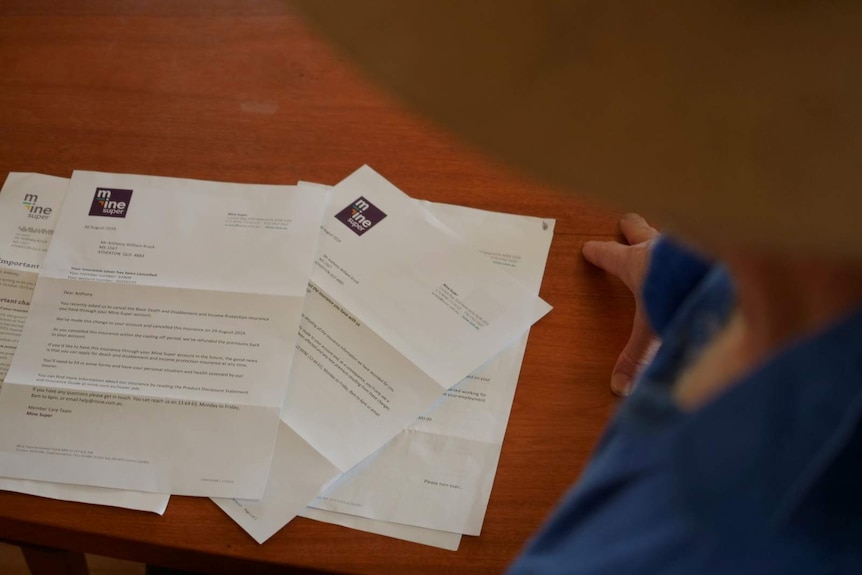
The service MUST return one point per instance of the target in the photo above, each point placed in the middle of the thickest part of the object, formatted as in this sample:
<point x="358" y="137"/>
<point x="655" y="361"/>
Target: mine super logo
<point x="34" y="210"/>
<point x="111" y="202"/>
<point x="360" y="216"/>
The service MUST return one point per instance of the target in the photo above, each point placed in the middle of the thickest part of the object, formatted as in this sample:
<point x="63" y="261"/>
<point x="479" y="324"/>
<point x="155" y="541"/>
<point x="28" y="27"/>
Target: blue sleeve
<point x="762" y="479"/>
<point x="674" y="271"/>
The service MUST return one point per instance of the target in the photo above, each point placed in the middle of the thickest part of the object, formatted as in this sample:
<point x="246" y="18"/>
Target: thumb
<point x="637" y="353"/>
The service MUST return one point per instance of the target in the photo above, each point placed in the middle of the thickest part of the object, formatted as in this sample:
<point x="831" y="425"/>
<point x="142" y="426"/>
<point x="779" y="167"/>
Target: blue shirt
<point x="766" y="478"/>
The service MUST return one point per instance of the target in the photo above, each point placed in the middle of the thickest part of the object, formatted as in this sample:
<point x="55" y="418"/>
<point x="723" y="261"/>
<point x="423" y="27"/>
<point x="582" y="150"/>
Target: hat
<point x="730" y="121"/>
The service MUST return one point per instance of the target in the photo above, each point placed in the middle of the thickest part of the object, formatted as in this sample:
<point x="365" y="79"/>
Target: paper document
<point x="438" y="473"/>
<point x="297" y="475"/>
<point x="398" y="311"/>
<point x="29" y="207"/>
<point x="441" y="539"/>
<point x="160" y="333"/>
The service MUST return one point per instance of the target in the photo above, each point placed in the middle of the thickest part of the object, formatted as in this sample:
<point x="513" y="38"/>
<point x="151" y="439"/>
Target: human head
<point x="731" y="122"/>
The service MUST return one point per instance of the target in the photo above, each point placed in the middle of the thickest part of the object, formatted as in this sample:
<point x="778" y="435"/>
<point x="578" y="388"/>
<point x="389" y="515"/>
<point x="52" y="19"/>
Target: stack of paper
<point x="269" y="346"/>
<point x="29" y="206"/>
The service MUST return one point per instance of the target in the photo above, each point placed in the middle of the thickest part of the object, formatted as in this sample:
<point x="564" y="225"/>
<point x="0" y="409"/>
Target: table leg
<point x="48" y="561"/>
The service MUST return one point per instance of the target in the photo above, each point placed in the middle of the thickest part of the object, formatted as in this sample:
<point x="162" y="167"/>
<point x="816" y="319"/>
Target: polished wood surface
<point x="243" y="91"/>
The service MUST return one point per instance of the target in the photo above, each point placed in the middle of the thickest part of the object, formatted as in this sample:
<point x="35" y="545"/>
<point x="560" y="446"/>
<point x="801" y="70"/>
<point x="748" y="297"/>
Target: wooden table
<point x="243" y="91"/>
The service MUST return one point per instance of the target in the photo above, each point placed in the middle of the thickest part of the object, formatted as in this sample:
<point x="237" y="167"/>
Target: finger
<point x="610" y="256"/>
<point x="637" y="353"/>
<point x="636" y="229"/>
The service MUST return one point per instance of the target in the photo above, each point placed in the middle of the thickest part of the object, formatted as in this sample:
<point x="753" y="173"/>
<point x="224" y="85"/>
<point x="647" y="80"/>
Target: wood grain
<point x="243" y="91"/>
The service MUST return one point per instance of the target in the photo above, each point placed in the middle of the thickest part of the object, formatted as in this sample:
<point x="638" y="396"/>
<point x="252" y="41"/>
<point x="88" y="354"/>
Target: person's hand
<point x="629" y="263"/>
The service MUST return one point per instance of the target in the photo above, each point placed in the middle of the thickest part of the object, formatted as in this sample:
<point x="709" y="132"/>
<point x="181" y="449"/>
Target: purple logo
<point x="111" y="202"/>
<point x="360" y="216"/>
